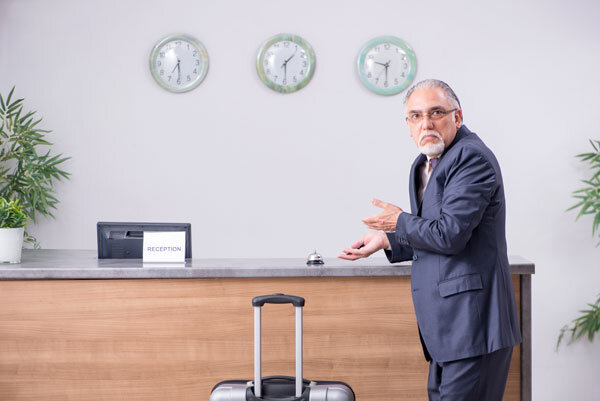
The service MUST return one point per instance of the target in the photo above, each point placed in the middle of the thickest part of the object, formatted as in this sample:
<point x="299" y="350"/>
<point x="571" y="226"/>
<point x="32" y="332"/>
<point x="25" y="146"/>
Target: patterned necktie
<point x="433" y="162"/>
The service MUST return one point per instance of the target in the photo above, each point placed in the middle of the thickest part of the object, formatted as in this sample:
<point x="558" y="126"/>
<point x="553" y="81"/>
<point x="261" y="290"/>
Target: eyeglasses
<point x="434" y="115"/>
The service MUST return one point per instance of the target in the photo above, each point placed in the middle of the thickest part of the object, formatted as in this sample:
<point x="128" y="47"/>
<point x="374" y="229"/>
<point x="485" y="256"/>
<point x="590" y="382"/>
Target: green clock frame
<point x="311" y="59"/>
<point x="201" y="51"/>
<point x="412" y="62"/>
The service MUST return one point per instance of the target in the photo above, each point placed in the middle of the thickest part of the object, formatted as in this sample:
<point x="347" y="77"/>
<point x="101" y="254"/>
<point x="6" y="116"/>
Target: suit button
<point x="415" y="257"/>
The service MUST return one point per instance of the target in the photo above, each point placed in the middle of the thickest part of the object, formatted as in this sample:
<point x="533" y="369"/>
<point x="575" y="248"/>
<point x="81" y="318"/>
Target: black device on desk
<point x="125" y="240"/>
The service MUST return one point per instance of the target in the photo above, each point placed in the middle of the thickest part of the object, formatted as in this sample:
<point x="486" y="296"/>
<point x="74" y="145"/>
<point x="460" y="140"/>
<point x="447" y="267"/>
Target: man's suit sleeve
<point x="470" y="183"/>
<point x="398" y="253"/>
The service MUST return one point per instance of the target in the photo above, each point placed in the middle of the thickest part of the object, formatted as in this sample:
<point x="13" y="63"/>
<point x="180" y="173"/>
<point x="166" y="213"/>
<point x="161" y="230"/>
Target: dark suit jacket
<point x="461" y="284"/>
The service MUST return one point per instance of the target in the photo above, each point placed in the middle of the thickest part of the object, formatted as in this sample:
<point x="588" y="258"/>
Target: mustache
<point x="430" y="132"/>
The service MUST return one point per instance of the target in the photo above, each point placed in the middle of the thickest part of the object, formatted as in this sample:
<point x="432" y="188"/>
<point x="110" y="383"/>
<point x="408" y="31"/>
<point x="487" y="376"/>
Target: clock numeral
<point x="268" y="71"/>
<point x="188" y="46"/>
<point x="195" y="71"/>
<point x="276" y="45"/>
<point x="376" y="80"/>
<point x="302" y="55"/>
<point x="301" y="72"/>
<point x="161" y="54"/>
<point x="188" y="78"/>
<point x="385" y="83"/>
<point x="405" y="65"/>
<point x="162" y="72"/>
<point x="170" y="76"/>
<point x="376" y="48"/>
<point x="194" y="53"/>
<point x="304" y="63"/>
<point x="294" y="79"/>
<point x="197" y="61"/>
<point x="386" y="46"/>
<point x="284" y="82"/>
<point x="370" y="57"/>
<point x="178" y="81"/>
<point x="275" y="78"/>
<point x="403" y="75"/>
<point x="369" y="75"/>
<point x="286" y="44"/>
<point x="396" y="81"/>
<point x="178" y="43"/>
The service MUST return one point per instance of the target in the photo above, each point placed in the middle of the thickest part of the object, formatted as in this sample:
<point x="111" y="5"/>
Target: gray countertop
<point x="42" y="264"/>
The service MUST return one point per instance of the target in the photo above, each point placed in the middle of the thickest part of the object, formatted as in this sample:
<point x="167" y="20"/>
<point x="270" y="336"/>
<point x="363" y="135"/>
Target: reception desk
<point x="73" y="327"/>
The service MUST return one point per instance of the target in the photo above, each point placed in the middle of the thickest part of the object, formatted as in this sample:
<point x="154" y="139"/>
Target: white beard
<point x="432" y="149"/>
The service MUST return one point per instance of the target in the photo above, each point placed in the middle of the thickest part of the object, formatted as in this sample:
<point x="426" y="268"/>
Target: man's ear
<point x="458" y="118"/>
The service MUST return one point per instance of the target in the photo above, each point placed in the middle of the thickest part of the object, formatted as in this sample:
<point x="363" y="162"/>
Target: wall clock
<point x="386" y="65"/>
<point x="179" y="63"/>
<point x="285" y="63"/>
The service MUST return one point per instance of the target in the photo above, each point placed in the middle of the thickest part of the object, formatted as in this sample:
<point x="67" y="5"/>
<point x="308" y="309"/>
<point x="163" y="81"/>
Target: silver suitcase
<point x="280" y="388"/>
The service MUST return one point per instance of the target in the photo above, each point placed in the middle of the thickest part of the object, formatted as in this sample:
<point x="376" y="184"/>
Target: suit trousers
<point x="480" y="378"/>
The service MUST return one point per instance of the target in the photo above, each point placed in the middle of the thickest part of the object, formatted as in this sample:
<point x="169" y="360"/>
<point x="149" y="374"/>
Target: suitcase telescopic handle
<point x="278" y="299"/>
<point x="257" y="303"/>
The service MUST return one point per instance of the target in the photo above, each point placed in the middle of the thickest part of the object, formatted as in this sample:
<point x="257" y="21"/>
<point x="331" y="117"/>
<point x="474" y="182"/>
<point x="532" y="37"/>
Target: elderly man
<point x="455" y="236"/>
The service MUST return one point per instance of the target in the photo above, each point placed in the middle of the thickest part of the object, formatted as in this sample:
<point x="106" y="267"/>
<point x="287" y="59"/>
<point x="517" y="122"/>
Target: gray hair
<point x="435" y="83"/>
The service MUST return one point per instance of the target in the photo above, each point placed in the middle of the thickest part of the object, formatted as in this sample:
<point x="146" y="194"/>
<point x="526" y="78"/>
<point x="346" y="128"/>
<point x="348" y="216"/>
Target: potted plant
<point x="588" y="322"/>
<point x="28" y="170"/>
<point x="12" y="226"/>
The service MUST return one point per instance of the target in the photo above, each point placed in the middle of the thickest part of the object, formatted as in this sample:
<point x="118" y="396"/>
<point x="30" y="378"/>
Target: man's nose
<point x="427" y="122"/>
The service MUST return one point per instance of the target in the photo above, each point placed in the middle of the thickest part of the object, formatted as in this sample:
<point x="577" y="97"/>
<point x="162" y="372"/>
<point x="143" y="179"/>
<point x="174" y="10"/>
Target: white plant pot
<point x="11" y="244"/>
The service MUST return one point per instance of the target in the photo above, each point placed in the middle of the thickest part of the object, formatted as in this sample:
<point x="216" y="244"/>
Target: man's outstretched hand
<point x="384" y="220"/>
<point x="370" y="243"/>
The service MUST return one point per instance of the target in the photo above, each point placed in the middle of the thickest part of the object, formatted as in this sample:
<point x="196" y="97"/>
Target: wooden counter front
<point x="174" y="339"/>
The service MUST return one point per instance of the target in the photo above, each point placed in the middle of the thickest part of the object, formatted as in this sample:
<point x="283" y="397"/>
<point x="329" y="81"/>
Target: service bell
<point x="315" y="259"/>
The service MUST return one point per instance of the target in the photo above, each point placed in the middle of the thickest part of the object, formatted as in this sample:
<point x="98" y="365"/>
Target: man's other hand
<point x="370" y="243"/>
<point x="384" y="220"/>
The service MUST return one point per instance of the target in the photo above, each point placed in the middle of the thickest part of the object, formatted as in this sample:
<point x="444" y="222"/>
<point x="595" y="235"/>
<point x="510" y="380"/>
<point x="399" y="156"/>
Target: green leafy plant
<point x="589" y="196"/>
<point x="11" y="214"/>
<point x="588" y="323"/>
<point x="28" y="170"/>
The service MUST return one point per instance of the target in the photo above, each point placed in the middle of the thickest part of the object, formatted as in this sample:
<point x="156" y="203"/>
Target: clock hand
<point x="290" y="57"/>
<point x="286" y="60"/>
<point x="284" y="65"/>
<point x="178" y="67"/>
<point x="385" y="68"/>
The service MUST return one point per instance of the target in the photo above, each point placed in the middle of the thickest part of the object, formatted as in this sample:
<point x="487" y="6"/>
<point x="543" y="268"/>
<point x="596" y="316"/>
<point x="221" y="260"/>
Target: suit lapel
<point x="415" y="181"/>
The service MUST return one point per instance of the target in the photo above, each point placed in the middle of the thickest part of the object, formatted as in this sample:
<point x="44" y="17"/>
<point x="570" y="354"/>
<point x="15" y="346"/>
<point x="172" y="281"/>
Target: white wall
<point x="260" y="174"/>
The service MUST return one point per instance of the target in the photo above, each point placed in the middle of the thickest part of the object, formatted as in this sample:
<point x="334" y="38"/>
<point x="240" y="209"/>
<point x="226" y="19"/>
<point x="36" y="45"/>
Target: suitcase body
<point x="280" y="388"/>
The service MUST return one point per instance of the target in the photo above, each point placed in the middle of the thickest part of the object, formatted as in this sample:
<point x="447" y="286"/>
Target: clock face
<point x="179" y="63"/>
<point x="285" y="63"/>
<point x="386" y="65"/>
